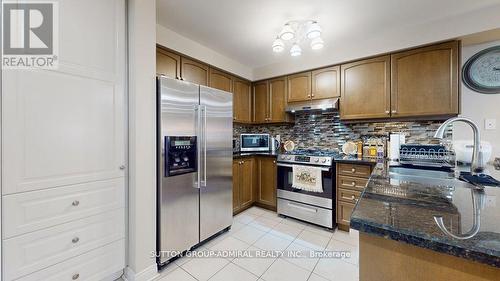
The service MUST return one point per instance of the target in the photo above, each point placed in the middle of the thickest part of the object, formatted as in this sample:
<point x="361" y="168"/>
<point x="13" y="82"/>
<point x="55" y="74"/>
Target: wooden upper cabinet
<point x="277" y="96"/>
<point x="260" y="102"/>
<point x="194" y="71"/>
<point x="366" y="89"/>
<point x="299" y="87"/>
<point x="168" y="63"/>
<point x="425" y="81"/>
<point x="242" y="101"/>
<point x="221" y="80"/>
<point x="325" y="83"/>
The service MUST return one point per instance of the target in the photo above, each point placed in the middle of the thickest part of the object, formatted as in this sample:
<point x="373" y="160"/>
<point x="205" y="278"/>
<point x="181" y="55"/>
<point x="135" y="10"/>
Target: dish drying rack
<point x="426" y="155"/>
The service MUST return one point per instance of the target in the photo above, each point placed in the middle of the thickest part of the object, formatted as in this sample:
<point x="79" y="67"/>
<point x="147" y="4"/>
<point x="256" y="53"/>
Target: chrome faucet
<point x="477" y="157"/>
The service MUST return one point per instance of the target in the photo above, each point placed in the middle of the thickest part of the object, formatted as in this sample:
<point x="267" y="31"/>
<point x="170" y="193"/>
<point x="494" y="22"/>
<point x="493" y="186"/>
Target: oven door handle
<point x="290" y="165"/>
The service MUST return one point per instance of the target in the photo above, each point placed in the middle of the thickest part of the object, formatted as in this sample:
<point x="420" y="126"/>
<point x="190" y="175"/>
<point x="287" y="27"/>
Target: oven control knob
<point x="323" y="160"/>
<point x="316" y="160"/>
<point x="288" y="158"/>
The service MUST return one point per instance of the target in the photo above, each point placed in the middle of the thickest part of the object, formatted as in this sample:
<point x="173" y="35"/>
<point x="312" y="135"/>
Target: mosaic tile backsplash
<point x="325" y="131"/>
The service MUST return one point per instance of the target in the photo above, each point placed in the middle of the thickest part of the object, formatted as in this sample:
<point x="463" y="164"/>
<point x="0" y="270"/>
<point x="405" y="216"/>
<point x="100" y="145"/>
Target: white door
<point x="66" y="126"/>
<point x="63" y="132"/>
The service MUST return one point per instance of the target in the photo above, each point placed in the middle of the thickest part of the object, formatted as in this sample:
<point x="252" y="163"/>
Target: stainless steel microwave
<point x="254" y="142"/>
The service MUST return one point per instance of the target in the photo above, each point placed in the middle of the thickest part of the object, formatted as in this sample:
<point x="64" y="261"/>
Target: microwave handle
<point x="290" y="165"/>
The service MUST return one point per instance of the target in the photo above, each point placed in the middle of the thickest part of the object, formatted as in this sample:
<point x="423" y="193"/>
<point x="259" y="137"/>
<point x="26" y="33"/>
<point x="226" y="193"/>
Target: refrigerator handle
<point x="198" y="144"/>
<point x="204" y="146"/>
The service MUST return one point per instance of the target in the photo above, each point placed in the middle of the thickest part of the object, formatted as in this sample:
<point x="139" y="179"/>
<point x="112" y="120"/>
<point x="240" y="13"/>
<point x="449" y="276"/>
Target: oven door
<point x="285" y="177"/>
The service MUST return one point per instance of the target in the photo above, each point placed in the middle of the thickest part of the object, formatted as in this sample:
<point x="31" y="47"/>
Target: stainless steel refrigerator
<point x="194" y="152"/>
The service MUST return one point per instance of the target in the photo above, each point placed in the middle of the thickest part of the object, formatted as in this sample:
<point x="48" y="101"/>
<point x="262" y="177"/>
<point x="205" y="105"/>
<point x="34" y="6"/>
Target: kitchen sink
<point x="425" y="176"/>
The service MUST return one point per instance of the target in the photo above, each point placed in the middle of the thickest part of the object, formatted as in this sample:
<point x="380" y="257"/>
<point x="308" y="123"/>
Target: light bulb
<point x="317" y="43"/>
<point x="287" y="33"/>
<point x="278" y="45"/>
<point x="313" y="31"/>
<point x="295" y="50"/>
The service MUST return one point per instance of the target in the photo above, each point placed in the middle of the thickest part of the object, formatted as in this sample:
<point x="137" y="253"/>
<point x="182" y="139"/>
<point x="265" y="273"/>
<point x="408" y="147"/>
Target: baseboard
<point x="147" y="274"/>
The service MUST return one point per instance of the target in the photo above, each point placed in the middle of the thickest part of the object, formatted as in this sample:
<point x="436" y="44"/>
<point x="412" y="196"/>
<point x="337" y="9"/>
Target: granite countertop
<point x="403" y="210"/>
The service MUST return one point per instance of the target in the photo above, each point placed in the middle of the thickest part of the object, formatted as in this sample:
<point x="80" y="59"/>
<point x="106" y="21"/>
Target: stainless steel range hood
<point x="313" y="105"/>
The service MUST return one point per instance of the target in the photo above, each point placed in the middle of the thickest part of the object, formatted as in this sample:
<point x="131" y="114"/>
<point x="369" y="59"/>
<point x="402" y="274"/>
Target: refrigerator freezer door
<point x="216" y="199"/>
<point x="178" y="196"/>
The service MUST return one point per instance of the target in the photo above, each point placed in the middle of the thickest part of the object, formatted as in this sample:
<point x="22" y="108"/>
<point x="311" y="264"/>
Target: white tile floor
<point x="258" y="229"/>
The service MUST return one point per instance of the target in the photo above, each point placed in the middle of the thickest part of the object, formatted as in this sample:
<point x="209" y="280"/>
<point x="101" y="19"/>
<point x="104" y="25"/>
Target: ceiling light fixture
<point x="295" y="50"/>
<point x="317" y="43"/>
<point x="278" y="45"/>
<point x="287" y="33"/>
<point x="314" y="30"/>
<point x="300" y="31"/>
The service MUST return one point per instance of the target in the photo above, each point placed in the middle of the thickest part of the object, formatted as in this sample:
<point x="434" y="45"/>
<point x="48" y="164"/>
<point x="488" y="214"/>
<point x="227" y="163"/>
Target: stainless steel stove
<point x="313" y="207"/>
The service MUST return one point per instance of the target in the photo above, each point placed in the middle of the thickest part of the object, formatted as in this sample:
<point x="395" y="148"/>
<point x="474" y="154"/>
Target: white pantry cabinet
<point x="63" y="143"/>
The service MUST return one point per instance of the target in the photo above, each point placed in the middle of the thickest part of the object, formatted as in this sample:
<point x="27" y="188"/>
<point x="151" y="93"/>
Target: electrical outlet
<point x="490" y="124"/>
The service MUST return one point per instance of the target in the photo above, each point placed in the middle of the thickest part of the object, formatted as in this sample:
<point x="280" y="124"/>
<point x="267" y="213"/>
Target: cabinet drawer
<point x="31" y="211"/>
<point x="344" y="212"/>
<point x="352" y="183"/>
<point x="95" y="265"/>
<point x="309" y="213"/>
<point x="34" y="251"/>
<point x="348" y="195"/>
<point x="355" y="170"/>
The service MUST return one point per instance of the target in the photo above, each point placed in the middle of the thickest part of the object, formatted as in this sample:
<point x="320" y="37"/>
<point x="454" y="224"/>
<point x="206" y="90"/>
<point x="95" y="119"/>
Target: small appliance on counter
<point x="395" y="142"/>
<point x="426" y="155"/>
<point x="275" y="144"/>
<point x="255" y="142"/>
<point x="463" y="151"/>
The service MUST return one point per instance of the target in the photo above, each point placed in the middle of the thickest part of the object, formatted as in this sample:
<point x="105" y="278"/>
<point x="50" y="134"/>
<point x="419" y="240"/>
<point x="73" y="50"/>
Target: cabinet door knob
<point x="394" y="111"/>
<point x="353" y="197"/>
<point x="75" y="203"/>
<point x="387" y="112"/>
<point x="353" y="183"/>
<point x="122" y="167"/>
<point x="75" y="276"/>
<point x="75" y="240"/>
<point x="353" y="170"/>
<point x="312" y="95"/>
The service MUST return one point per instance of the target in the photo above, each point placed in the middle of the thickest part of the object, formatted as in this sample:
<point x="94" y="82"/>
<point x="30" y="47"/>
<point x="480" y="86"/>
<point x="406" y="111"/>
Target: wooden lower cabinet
<point x="344" y="211"/>
<point x="266" y="183"/>
<point x="243" y="183"/>
<point x="236" y="185"/>
<point x="254" y="182"/>
<point x="351" y="180"/>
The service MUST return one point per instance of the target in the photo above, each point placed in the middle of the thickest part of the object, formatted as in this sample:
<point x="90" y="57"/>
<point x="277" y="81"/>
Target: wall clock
<point x="481" y="73"/>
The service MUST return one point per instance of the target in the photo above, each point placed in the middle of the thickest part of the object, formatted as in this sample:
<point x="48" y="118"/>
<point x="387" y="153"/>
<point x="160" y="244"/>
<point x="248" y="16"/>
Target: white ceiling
<point x="244" y="30"/>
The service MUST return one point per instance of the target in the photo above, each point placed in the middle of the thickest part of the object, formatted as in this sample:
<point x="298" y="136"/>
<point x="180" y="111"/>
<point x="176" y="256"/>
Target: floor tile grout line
<point x="188" y="273"/>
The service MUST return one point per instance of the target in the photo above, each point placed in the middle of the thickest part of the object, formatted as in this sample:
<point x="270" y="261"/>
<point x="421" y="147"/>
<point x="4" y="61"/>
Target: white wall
<point x="479" y="106"/>
<point x="142" y="131"/>
<point x="389" y="40"/>
<point x="174" y="41"/>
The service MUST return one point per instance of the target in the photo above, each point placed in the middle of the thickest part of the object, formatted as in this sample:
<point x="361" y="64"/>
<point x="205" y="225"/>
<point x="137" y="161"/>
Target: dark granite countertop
<point x="404" y="210"/>
<point x="249" y="154"/>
